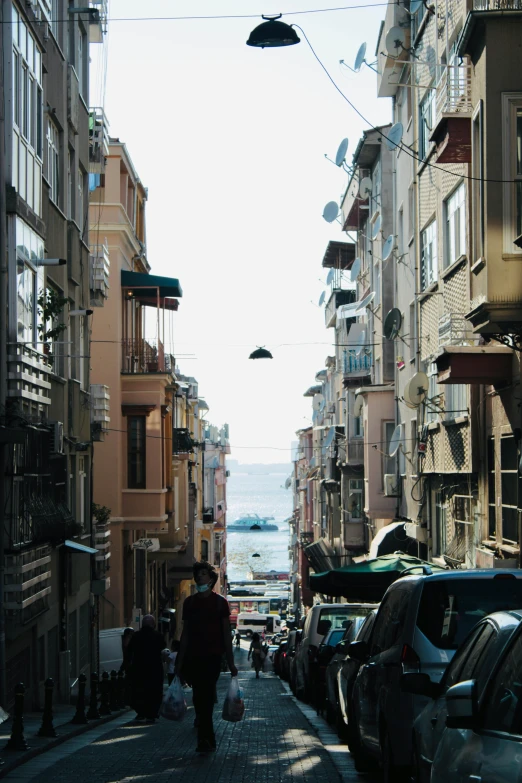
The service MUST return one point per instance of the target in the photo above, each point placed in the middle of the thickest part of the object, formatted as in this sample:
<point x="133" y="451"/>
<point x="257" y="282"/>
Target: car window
<point x="366" y="628"/>
<point x="450" y="608"/>
<point x="503" y="705"/>
<point x="390" y="621"/>
<point x="334" y="637"/>
<point x="452" y="673"/>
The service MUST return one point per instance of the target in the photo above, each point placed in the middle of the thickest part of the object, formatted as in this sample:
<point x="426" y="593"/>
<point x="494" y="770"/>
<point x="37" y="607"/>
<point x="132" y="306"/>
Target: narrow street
<point x="275" y="742"/>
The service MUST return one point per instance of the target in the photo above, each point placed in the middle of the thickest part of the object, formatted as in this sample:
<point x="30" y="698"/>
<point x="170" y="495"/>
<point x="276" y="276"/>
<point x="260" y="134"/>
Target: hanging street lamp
<point x="260" y="353"/>
<point x="272" y="33"/>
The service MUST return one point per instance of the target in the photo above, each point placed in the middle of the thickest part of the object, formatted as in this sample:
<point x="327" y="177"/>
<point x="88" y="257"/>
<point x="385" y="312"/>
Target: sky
<point x="230" y="142"/>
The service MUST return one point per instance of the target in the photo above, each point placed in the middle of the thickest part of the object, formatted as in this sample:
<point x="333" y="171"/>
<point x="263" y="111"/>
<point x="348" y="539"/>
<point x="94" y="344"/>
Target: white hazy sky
<point x="230" y="141"/>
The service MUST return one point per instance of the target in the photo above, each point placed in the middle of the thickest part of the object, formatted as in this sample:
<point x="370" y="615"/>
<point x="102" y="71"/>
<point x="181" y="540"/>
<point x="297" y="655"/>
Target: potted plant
<point x="50" y="307"/>
<point x="100" y="514"/>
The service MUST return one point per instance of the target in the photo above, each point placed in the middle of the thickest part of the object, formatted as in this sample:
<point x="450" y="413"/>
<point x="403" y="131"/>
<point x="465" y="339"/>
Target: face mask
<point x="202" y="588"/>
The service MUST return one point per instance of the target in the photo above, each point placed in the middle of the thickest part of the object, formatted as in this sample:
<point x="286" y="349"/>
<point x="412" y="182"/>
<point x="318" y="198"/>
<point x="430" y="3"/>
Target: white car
<point x="483" y="736"/>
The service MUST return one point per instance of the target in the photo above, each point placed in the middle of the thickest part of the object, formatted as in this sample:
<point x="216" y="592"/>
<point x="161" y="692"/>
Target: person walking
<point x="127" y="635"/>
<point x="256" y="651"/>
<point x="206" y="636"/>
<point x="237" y="640"/>
<point x="145" y="666"/>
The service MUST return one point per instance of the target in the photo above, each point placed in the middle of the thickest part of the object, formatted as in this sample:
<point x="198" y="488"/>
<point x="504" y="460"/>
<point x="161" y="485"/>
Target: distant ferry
<point x="251" y="522"/>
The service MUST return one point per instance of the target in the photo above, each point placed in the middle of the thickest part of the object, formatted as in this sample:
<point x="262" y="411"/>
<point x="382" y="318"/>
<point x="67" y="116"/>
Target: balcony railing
<point x="355" y="454"/>
<point x="497" y="5"/>
<point x="357" y="365"/>
<point x="454" y="329"/>
<point x="453" y="92"/>
<point x="145" y="356"/>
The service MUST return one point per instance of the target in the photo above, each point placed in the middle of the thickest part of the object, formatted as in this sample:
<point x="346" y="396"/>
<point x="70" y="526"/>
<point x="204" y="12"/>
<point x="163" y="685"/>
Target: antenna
<point x="329" y="438"/>
<point x="358" y="406"/>
<point x="394" y="137"/>
<point x="331" y="211"/>
<point x="365" y="188"/>
<point x="387" y="248"/>
<point x="392" y="324"/>
<point x="318" y="402"/>
<point x="416" y="390"/>
<point x="341" y="153"/>
<point x="376" y="228"/>
<point x="395" y="441"/>
<point x="321" y="298"/>
<point x="354" y="271"/>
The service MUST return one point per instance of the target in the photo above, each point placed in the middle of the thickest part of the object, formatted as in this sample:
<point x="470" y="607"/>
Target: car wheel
<point x="390" y="772"/>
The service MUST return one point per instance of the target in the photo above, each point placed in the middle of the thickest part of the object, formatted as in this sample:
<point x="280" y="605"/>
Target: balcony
<point x="100" y="410"/>
<point x="141" y="356"/>
<point x="98" y="20"/>
<point x="478" y="364"/>
<point x="98" y="140"/>
<point x="99" y="269"/>
<point x="27" y="583"/>
<point x="356" y="367"/>
<point x="337" y="299"/>
<point x="453" y="107"/>
<point x="455" y="329"/>
<point x="102" y="542"/>
<point x="28" y="375"/>
<point x="355" y="452"/>
<point x="182" y="442"/>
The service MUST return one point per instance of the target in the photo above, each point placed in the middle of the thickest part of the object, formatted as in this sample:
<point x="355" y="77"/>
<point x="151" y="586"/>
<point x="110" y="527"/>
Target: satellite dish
<point x="395" y="40"/>
<point x="331" y="211"/>
<point x="321" y="298"/>
<point x="392" y="323"/>
<point x="416" y="389"/>
<point x="365" y="188"/>
<point x="395" y="441"/>
<point x="356" y="268"/>
<point x="394" y="137"/>
<point x="330" y="277"/>
<point x="358" y="406"/>
<point x="376" y="228"/>
<point x="366" y="302"/>
<point x="317" y="402"/>
<point x="329" y="438"/>
<point x="359" y="59"/>
<point x="415" y="5"/>
<point x="361" y="342"/>
<point x="387" y="248"/>
<point x="341" y="152"/>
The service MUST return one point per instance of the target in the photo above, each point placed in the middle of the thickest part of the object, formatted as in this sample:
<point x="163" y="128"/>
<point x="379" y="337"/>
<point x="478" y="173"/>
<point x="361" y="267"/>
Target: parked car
<point x="339" y="693"/>
<point x="292" y="664"/>
<point x="277" y="657"/>
<point x="421" y="621"/>
<point x="475" y="659"/>
<point x="290" y="652"/>
<point x="324" y="655"/>
<point x="320" y="619"/>
<point x="483" y="737"/>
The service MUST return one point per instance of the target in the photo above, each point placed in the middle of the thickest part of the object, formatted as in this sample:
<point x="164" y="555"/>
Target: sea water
<point x="262" y="494"/>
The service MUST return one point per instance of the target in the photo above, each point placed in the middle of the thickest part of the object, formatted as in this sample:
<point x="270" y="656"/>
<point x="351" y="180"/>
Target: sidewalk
<point x="275" y="743"/>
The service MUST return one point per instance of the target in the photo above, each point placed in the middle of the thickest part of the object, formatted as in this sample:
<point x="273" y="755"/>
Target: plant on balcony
<point x="50" y="307"/>
<point x="100" y="514"/>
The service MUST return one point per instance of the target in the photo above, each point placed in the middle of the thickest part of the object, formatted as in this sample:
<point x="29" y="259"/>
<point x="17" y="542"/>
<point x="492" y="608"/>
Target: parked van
<point x="319" y="620"/>
<point x="111" y="656"/>
<point x="249" y="623"/>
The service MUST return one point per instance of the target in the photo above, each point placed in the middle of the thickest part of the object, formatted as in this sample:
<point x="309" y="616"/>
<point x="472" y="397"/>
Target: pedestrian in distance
<point x="237" y="640"/>
<point x="171" y="660"/>
<point x="256" y="651"/>
<point x="146" y="670"/>
<point x="205" y="638"/>
<point x="125" y="664"/>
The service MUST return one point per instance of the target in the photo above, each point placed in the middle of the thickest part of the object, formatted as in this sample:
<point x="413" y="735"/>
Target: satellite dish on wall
<point x="361" y="342"/>
<point x="330" y="277"/>
<point x="392" y="323"/>
<point x="321" y="298"/>
<point x="365" y="187"/>
<point x="366" y="302"/>
<point x="395" y="441"/>
<point x="416" y="389"/>
<point x="387" y="248"/>
<point x="356" y="268"/>
<point x="341" y="152"/>
<point x="318" y="402"/>
<point x="331" y="211"/>
<point x="395" y="40"/>
<point x="376" y="228"/>
<point x="394" y="137"/>
<point x="359" y="58"/>
<point x="358" y="406"/>
<point x="329" y="438"/>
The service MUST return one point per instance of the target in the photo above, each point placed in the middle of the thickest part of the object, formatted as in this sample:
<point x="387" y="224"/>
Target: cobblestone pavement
<point x="277" y="741"/>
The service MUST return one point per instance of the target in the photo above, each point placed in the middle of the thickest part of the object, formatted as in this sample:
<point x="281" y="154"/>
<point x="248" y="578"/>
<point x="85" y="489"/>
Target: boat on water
<point x="252" y="522"/>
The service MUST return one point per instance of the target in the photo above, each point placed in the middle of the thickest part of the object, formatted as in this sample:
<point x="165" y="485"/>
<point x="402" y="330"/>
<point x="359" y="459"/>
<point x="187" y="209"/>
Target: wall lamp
<point x="81" y="312"/>
<point x="50" y="261"/>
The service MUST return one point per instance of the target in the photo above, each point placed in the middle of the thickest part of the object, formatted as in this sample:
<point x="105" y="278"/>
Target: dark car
<point x="278" y="657"/>
<point x="324" y="655"/>
<point x="291" y="646"/>
<point x="292" y="664"/>
<point x="341" y="673"/>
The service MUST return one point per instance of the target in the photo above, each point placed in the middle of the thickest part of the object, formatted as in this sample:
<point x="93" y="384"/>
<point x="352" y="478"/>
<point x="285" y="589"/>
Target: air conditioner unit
<point x="391" y="485"/>
<point x="57" y="438"/>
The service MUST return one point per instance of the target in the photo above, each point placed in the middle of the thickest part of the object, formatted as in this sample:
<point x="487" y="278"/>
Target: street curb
<point x="32" y="753"/>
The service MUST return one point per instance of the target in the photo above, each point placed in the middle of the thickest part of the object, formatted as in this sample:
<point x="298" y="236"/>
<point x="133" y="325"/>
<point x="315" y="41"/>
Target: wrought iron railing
<point x="352" y="363"/>
<point x="453" y="91"/>
<point x="143" y="356"/>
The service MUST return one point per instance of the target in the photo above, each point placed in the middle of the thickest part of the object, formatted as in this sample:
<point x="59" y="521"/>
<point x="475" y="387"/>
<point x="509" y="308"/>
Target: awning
<point x="392" y="538"/>
<point x="366" y="581"/>
<point x="86" y="550"/>
<point x="348" y="310"/>
<point x="142" y="284"/>
<point x="321" y="555"/>
<point x="479" y="364"/>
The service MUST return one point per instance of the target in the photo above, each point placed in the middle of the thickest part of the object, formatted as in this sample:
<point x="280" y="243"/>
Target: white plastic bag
<point x="174" y="706"/>
<point x="234" y="706"/>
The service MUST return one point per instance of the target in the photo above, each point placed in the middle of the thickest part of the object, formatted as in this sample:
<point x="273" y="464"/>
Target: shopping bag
<point x="234" y="706"/>
<point x="174" y="706"/>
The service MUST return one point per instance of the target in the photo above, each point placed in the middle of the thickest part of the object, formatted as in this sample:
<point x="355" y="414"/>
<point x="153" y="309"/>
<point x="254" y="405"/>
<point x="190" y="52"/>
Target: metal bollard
<point x="17" y="740"/>
<point x="114" y="702"/>
<point x="121" y="689"/>
<point x="105" y="690"/>
<point x="47" y="728"/>
<point x="79" y="715"/>
<point x="92" y="712"/>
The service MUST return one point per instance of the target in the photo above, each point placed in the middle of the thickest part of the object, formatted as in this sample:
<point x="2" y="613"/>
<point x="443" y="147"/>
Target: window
<point x="204" y="549"/>
<point x="136" y="452"/>
<point x="388" y="463"/>
<point x="355" y="499"/>
<point x="512" y="169"/>
<point x="477" y="184"/>
<point x="429" y="260"/>
<point x="492" y="493"/>
<point x="509" y="488"/>
<point x="455" y="211"/>
<point x="426" y="119"/>
<point x="56" y="343"/>
<point x="53" y="161"/>
<point x="80" y="205"/>
<point x="71" y="201"/>
<point x="411" y="212"/>
<point x="29" y="281"/>
<point x="455" y="400"/>
<point x="504" y="700"/>
<point x="431" y="410"/>
<point x="413" y="332"/>
<point x="82" y="484"/>
<point x="412" y="446"/>
<point x="375" y="197"/>
<point x="441" y="511"/>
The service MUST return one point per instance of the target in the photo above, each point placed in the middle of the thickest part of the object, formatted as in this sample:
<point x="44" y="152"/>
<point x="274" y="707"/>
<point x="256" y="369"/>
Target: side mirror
<point x="419" y="684"/>
<point x="461" y="704"/>
<point x="358" y="651"/>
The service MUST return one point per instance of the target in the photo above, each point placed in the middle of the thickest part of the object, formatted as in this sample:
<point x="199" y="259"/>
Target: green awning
<point x="143" y="284"/>
<point x="367" y="581"/>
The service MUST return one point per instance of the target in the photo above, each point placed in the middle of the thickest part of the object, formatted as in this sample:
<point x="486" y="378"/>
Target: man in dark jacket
<point x="145" y="667"/>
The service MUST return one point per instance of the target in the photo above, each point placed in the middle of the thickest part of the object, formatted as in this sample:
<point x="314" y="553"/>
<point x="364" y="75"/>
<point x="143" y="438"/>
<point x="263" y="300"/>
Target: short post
<point x="121" y="688"/>
<point x="79" y="715"/>
<point x="47" y="729"/>
<point x="92" y="712"/>
<point x="17" y="739"/>
<point x="105" y="689"/>
<point x="114" y="702"/>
